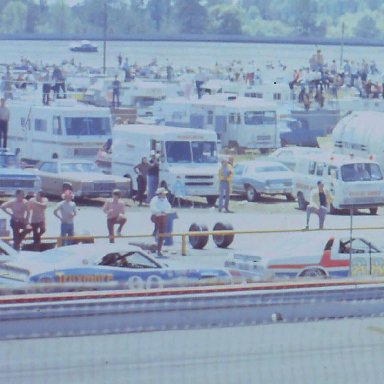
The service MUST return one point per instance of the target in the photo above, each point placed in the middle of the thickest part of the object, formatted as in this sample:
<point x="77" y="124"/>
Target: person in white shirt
<point x="160" y="206"/>
<point x="37" y="206"/>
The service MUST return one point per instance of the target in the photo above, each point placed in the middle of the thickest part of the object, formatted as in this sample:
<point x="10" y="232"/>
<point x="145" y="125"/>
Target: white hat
<point x="152" y="153"/>
<point x="161" y="191"/>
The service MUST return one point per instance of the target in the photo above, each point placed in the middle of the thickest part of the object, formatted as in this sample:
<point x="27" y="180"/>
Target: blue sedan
<point x="103" y="266"/>
<point x="253" y="178"/>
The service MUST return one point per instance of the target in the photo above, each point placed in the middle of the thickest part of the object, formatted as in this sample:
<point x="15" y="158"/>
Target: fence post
<point x="184" y="245"/>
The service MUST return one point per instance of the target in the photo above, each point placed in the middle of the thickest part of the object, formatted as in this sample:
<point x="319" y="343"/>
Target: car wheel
<point x="301" y="201"/>
<point x="198" y="242"/>
<point x="211" y="200"/>
<point x="373" y="211"/>
<point x="313" y="272"/>
<point x="290" y="197"/>
<point x="251" y="193"/>
<point x="223" y="241"/>
<point x="333" y="210"/>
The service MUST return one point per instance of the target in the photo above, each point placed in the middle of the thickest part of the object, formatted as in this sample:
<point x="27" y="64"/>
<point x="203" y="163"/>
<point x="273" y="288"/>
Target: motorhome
<point x="238" y="121"/>
<point x="186" y="155"/>
<point x="353" y="182"/>
<point x="63" y="129"/>
<point x="361" y="133"/>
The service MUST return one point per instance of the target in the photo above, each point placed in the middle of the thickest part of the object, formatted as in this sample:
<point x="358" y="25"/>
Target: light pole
<point x="105" y="27"/>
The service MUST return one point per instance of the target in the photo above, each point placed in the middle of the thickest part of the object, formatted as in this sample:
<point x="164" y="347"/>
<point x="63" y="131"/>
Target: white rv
<point x="238" y="121"/>
<point x="64" y="129"/>
<point x="362" y="134"/>
<point x="189" y="155"/>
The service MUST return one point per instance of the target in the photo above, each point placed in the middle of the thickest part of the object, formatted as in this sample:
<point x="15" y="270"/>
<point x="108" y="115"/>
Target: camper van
<point x="361" y="133"/>
<point x="64" y="129"/>
<point x="238" y="121"/>
<point x="188" y="155"/>
<point x="354" y="182"/>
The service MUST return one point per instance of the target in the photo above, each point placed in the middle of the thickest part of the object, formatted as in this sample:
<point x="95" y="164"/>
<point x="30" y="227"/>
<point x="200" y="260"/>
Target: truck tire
<point x="211" y="200"/>
<point x="373" y="211"/>
<point x="301" y="201"/>
<point x="223" y="241"/>
<point x="198" y="242"/>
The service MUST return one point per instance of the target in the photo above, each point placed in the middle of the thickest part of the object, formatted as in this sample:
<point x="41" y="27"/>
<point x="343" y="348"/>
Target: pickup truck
<point x="333" y="261"/>
<point x="13" y="177"/>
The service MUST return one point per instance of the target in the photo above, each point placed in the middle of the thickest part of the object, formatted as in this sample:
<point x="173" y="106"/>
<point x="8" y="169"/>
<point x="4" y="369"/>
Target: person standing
<point x="59" y="80"/>
<point x="37" y="206"/>
<point x="153" y="176"/>
<point x="116" y="85"/>
<point x="225" y="185"/>
<point x="17" y="208"/>
<point x="319" y="202"/>
<point x="115" y="211"/>
<point x="160" y="207"/>
<point x="141" y="170"/>
<point x="65" y="211"/>
<point x="4" y="119"/>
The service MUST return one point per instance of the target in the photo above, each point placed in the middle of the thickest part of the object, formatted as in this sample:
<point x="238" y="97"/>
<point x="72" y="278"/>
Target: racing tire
<point x="211" y="200"/>
<point x="223" y="241"/>
<point x="313" y="272"/>
<point x="154" y="282"/>
<point x="301" y="201"/>
<point x="251" y="193"/>
<point x="290" y="197"/>
<point x="135" y="282"/>
<point x="198" y="242"/>
<point x="373" y="211"/>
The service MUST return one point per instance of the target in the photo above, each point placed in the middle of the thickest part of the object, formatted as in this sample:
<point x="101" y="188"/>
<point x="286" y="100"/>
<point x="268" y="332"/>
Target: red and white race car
<point x="337" y="257"/>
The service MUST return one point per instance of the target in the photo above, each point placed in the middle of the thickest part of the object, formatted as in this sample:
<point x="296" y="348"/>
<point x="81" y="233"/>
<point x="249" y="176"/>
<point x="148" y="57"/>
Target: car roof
<point x="260" y="163"/>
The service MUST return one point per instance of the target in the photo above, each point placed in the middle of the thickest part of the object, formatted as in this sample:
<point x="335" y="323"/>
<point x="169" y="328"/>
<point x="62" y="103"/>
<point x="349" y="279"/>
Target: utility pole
<point x="342" y="44"/>
<point x="105" y="27"/>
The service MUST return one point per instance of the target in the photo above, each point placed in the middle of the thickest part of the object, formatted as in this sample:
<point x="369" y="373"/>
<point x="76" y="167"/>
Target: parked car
<point x="253" y="178"/>
<point x="13" y="177"/>
<point x="289" y="155"/>
<point x="317" y="258"/>
<point x="113" y="265"/>
<point x="82" y="176"/>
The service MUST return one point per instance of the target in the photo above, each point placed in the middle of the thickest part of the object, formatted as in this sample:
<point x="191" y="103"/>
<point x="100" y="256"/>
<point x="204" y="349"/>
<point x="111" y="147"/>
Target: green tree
<point x="367" y="28"/>
<point x="191" y="16"/>
<point x="304" y="19"/>
<point x="159" y="11"/>
<point x="13" y="17"/>
<point x="226" y="19"/>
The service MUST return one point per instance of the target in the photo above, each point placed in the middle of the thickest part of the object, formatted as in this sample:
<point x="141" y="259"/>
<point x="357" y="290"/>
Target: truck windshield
<point x="259" y="117"/>
<point x="191" y="152"/>
<point x="361" y="172"/>
<point x="87" y="126"/>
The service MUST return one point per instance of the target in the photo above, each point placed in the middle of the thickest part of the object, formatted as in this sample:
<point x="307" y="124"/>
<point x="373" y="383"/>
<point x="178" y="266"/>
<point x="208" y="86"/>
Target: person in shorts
<point x="115" y="211"/>
<point x="37" y="206"/>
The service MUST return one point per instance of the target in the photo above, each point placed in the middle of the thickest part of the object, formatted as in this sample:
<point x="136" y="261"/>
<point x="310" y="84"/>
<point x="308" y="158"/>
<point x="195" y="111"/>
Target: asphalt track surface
<point x="318" y="352"/>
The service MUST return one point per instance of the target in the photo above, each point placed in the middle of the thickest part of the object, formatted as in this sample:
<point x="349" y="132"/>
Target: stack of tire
<point x="221" y="241"/>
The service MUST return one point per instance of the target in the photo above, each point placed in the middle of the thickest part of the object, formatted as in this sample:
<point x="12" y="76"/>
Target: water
<point x="183" y="54"/>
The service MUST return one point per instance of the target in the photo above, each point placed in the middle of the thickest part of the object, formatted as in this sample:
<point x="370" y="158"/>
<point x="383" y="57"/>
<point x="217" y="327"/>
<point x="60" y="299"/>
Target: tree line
<point x="255" y="18"/>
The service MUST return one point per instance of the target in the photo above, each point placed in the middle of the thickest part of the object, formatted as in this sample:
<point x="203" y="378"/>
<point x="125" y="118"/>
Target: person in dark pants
<point x="153" y="175"/>
<point x="4" y="118"/>
<point x="141" y="170"/>
<point x="17" y="208"/>
<point x="58" y="78"/>
<point x="116" y="92"/>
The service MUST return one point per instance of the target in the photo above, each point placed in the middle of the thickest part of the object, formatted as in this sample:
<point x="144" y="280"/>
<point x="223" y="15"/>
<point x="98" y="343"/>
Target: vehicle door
<point x="239" y="171"/>
<point x="50" y="181"/>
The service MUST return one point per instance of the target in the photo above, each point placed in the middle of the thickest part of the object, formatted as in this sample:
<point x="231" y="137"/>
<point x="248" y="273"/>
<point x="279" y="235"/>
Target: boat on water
<point x="83" y="46"/>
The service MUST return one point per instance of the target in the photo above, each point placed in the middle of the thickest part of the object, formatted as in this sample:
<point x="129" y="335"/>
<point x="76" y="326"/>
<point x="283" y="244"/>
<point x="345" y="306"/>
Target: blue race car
<point x="107" y="266"/>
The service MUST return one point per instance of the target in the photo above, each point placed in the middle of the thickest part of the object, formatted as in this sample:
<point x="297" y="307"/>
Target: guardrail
<point x="190" y="234"/>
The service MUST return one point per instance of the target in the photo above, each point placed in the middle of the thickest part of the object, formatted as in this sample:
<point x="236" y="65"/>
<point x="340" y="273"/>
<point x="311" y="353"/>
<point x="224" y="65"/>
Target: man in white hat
<point x="160" y="206"/>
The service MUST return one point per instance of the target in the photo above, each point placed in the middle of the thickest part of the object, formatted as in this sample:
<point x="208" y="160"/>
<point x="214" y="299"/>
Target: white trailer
<point x="238" y="121"/>
<point x="361" y="134"/>
<point x="64" y="129"/>
<point x="187" y="155"/>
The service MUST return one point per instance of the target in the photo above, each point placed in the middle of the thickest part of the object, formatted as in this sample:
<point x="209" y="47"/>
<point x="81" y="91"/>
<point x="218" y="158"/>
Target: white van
<point x="187" y="154"/>
<point x="353" y="182"/>
<point x="63" y="129"/>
